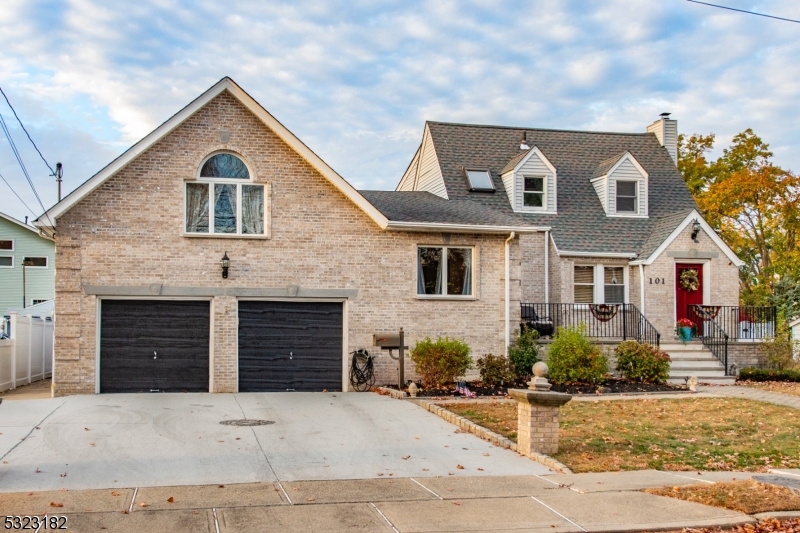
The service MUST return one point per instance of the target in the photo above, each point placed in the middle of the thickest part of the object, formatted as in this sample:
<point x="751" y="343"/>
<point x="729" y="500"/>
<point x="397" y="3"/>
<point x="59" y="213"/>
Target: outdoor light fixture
<point x="695" y="229"/>
<point x="225" y="264"/>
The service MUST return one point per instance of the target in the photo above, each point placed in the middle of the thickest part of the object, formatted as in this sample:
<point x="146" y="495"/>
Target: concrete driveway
<point x="146" y="440"/>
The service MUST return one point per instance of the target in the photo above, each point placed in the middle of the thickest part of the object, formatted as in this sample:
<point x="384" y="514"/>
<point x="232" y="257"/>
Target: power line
<point x="744" y="11"/>
<point x="17" y="195"/>
<point x="53" y="172"/>
<point x="22" y="166"/>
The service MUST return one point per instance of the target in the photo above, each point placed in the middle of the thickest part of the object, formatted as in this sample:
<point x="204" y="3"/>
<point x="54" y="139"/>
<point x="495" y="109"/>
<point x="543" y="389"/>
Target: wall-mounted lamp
<point x="225" y="264"/>
<point x="696" y="227"/>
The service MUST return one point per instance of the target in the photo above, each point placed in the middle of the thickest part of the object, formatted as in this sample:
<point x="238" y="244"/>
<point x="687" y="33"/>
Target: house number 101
<point x="658" y="281"/>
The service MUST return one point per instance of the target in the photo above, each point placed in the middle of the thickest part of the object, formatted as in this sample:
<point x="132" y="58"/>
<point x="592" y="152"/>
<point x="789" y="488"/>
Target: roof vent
<point x="523" y="142"/>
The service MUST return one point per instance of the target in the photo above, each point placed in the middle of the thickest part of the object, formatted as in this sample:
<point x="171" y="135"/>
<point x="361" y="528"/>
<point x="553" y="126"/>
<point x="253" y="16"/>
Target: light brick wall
<point x="721" y="276"/>
<point x="129" y="232"/>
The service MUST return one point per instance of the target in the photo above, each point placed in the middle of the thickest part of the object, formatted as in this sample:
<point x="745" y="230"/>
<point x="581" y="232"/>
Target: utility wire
<point x="53" y="172"/>
<point x="744" y="11"/>
<point x="17" y="195"/>
<point x="22" y="166"/>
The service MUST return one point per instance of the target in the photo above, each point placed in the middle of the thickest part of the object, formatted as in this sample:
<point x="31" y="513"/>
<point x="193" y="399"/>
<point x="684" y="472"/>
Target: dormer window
<point x="533" y="193"/>
<point x="626" y="197"/>
<point x="479" y="180"/>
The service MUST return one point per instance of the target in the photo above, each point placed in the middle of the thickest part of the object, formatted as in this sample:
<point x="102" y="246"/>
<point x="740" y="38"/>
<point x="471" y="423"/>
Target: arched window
<point x="224" y="194"/>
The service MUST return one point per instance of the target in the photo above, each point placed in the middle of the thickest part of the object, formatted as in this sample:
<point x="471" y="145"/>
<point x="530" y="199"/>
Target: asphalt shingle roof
<point x="581" y="225"/>
<point x="662" y="227"/>
<point x="604" y="166"/>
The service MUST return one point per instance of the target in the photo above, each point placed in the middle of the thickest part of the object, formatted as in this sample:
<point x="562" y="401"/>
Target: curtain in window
<point x="224" y="166"/>
<point x="429" y="271"/>
<point x="459" y="277"/>
<point x="467" y="290"/>
<point x="196" y="208"/>
<point x="253" y="209"/>
<point x="224" y="208"/>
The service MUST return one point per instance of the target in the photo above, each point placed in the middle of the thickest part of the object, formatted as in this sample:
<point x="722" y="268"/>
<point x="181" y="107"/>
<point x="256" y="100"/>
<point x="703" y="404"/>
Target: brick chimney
<point x="666" y="131"/>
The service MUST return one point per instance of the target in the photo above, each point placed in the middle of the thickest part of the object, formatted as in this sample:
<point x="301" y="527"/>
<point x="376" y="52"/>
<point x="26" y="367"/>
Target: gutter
<point x="597" y="254"/>
<point x="508" y="292"/>
<point x="462" y="228"/>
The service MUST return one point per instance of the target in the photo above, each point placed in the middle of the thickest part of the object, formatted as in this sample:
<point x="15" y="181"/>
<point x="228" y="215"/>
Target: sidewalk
<point x="563" y="503"/>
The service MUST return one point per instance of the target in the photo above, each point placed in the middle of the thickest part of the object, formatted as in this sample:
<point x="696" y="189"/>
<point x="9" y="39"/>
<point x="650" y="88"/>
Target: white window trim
<point x="12" y="261"/>
<point x="545" y="180"/>
<point x="445" y="296"/>
<point x="46" y="262"/>
<point x="599" y="292"/>
<point x="211" y="182"/>
<point x="637" y="199"/>
<point x="13" y="246"/>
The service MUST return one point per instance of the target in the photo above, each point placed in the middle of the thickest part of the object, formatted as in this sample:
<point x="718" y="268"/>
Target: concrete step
<point x="691" y="355"/>
<point x="719" y="380"/>
<point x="695" y="363"/>
<point x="678" y="347"/>
<point x="699" y="372"/>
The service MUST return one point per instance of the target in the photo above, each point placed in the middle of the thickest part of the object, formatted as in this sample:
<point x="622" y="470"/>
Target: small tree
<point x="442" y="361"/>
<point x="524" y="353"/>
<point x="495" y="370"/>
<point x="573" y="358"/>
<point x="779" y="351"/>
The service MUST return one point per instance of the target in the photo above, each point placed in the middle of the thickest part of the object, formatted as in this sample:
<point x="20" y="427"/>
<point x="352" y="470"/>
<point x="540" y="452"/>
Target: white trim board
<point x="690" y="218"/>
<point x="225" y="84"/>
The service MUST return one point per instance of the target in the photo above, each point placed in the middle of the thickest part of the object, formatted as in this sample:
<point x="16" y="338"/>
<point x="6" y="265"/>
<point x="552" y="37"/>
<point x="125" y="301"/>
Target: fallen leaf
<point x="391" y="474"/>
<point x="63" y="475"/>
<point x="456" y="503"/>
<point x="171" y="499"/>
<point x="460" y="467"/>
<point x="124" y="511"/>
<point x="223" y="486"/>
<point x="86" y="429"/>
<point x="114" y="493"/>
<point x="481" y="469"/>
<point x="54" y="504"/>
<point x="238" y="438"/>
<point x="416" y="438"/>
<point x="406" y="457"/>
<point x="424" y="469"/>
<point x="38" y="471"/>
<point x="142" y="504"/>
<point x="310" y="499"/>
<point x="380" y="473"/>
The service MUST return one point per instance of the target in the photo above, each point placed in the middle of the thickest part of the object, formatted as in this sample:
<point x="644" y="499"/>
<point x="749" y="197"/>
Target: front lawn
<point x="680" y="434"/>
<point x="746" y="496"/>
<point x="782" y="387"/>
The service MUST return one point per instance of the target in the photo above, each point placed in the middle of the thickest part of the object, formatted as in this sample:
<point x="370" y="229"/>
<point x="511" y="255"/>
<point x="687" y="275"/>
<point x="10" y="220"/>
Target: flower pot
<point x="685" y="334"/>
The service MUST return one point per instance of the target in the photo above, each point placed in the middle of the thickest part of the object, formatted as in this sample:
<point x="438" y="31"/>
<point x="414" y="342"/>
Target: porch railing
<point x="715" y="339"/>
<point x="603" y="321"/>
<point x="745" y="322"/>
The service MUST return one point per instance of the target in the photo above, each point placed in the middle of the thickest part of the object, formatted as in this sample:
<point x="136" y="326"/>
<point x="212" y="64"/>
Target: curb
<point x="491" y="436"/>
<point x="394" y="393"/>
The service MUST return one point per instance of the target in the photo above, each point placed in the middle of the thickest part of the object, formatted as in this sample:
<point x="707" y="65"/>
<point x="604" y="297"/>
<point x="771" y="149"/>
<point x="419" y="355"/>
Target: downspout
<point x="641" y="286"/>
<point x="547" y="267"/>
<point x="508" y="292"/>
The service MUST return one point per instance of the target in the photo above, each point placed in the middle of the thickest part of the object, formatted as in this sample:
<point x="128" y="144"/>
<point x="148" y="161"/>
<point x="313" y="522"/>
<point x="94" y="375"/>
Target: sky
<point x="357" y="80"/>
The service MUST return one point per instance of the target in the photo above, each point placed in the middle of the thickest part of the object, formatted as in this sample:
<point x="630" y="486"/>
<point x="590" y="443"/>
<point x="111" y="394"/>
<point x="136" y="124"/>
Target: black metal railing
<point x="745" y="322"/>
<point x="603" y="321"/>
<point x="715" y="339"/>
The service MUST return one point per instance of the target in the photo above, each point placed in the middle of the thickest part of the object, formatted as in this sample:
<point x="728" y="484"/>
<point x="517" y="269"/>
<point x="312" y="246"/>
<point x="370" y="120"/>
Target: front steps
<point x="693" y="359"/>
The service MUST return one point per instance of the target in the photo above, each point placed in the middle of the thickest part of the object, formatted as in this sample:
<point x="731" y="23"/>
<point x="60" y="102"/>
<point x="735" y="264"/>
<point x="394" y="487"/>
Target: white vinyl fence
<point x="28" y="355"/>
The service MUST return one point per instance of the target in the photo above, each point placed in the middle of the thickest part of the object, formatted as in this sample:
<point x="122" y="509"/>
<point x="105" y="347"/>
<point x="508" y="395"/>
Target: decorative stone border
<point x="394" y="393"/>
<point x="491" y="436"/>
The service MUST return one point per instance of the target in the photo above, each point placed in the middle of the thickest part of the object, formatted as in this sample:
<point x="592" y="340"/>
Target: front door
<point x="686" y="294"/>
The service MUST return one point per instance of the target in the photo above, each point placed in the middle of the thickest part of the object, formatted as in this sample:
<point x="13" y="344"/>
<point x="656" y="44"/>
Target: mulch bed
<point x="608" y="387"/>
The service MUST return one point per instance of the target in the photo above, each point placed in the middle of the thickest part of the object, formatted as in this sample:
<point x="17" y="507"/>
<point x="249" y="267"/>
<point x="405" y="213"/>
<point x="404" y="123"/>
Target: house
<point x="314" y="269"/>
<point x="27" y="273"/>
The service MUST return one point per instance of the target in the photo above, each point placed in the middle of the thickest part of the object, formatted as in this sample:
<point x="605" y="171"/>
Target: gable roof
<point x="20" y="223"/>
<point x="580" y="225"/>
<point x="606" y="165"/>
<point x="662" y="229"/>
<point x="225" y="84"/>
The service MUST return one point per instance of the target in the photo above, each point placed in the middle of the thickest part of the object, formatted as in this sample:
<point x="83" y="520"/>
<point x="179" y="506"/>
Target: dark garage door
<point x="290" y="346"/>
<point x="154" y="345"/>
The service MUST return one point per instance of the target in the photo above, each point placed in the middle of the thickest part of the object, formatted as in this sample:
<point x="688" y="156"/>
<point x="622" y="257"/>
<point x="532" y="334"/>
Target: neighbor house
<point x="23" y="248"/>
<point x="221" y="254"/>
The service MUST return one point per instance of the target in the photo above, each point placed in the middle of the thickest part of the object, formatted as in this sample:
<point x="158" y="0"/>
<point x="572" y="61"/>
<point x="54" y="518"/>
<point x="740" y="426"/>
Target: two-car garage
<point x="162" y="345"/>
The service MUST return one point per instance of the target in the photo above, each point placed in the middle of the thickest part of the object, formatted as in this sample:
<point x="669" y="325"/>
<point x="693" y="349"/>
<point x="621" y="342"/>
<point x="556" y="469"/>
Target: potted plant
<point x="684" y="327"/>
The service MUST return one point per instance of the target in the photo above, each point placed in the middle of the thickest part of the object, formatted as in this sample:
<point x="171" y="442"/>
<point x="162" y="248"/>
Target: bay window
<point x="223" y="200"/>
<point x="444" y="271"/>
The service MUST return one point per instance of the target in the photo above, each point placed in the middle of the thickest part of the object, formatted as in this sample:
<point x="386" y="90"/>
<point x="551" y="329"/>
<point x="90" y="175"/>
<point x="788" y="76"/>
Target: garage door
<point x="290" y="346"/>
<point x="154" y="345"/>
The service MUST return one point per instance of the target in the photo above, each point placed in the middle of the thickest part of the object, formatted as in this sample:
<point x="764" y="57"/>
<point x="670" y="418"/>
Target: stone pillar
<point x="537" y="414"/>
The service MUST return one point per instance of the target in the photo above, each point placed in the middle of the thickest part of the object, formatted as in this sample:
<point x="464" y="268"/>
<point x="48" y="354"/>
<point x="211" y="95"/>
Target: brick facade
<point x="129" y="232"/>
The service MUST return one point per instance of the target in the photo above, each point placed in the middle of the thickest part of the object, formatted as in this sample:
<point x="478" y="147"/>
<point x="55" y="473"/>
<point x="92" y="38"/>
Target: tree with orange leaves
<point x="755" y="207"/>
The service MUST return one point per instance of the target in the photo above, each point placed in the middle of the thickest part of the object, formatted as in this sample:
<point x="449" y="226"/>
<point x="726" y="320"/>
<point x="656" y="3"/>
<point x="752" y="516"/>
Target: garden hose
<point x="362" y="370"/>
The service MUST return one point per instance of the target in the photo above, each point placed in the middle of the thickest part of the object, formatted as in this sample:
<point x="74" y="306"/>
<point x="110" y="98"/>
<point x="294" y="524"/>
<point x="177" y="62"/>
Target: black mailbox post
<point x="394" y="341"/>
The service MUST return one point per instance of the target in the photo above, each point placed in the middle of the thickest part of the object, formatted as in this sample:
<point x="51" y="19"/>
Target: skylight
<point x="479" y="180"/>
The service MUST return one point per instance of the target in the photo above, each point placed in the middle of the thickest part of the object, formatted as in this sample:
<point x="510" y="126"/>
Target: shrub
<point x="760" y="374"/>
<point x="524" y="352"/>
<point x="573" y="358"/>
<point x="495" y="370"/>
<point x="642" y="362"/>
<point x="779" y="351"/>
<point x="442" y="361"/>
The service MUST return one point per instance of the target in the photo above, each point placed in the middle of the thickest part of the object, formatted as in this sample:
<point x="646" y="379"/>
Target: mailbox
<point x="387" y="341"/>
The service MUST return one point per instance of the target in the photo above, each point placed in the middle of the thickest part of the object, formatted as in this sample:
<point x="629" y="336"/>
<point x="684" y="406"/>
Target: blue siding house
<point x="20" y="242"/>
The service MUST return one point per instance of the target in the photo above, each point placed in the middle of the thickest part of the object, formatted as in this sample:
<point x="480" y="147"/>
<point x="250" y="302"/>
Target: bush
<point x="760" y="374"/>
<point x="442" y="361"/>
<point x="495" y="370"/>
<point x="642" y="362"/>
<point x="573" y="358"/>
<point x="524" y="352"/>
<point x="779" y="351"/>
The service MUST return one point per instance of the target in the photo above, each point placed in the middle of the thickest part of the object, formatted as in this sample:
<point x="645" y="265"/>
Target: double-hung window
<point x="627" y="201"/>
<point x="6" y="245"/>
<point x="223" y="200"/>
<point x="613" y="285"/>
<point x="533" y="191"/>
<point x="444" y="271"/>
<point x="584" y="284"/>
<point x="599" y="284"/>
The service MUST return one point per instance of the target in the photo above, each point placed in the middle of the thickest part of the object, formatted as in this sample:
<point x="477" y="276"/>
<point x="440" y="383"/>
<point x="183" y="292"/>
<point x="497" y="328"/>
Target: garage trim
<point x="98" y="318"/>
<point x="345" y="329"/>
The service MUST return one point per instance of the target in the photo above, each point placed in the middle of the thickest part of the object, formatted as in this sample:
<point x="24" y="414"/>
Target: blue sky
<point x="356" y="80"/>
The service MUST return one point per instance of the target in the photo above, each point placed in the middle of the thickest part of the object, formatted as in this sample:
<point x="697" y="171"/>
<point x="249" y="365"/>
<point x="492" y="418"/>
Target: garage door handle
<point x="155" y="355"/>
<point x="290" y="355"/>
